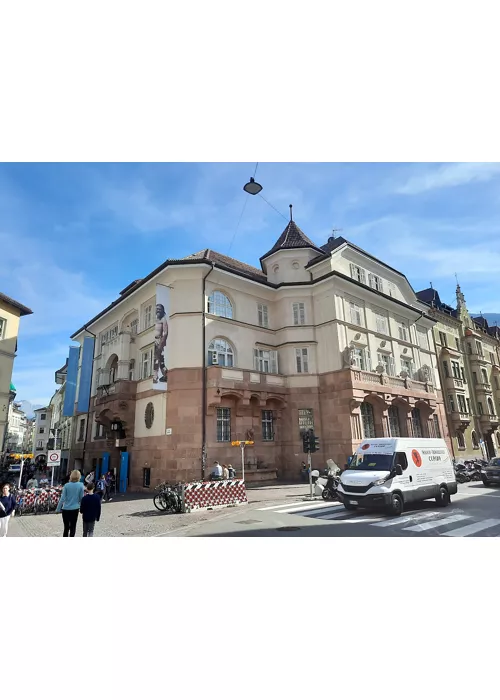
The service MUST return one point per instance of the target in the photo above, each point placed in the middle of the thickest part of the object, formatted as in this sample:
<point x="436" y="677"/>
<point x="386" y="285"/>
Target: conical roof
<point x="292" y="237"/>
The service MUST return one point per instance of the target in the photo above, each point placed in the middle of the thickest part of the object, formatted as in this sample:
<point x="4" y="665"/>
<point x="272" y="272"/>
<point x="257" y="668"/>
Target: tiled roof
<point x="481" y="322"/>
<point x="292" y="237"/>
<point x="327" y="249"/>
<point x="23" y="309"/>
<point x="430" y="296"/>
<point x="230" y="263"/>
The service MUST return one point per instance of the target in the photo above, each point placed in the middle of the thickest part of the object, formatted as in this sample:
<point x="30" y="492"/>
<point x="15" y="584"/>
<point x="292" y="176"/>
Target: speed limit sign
<point x="54" y="457"/>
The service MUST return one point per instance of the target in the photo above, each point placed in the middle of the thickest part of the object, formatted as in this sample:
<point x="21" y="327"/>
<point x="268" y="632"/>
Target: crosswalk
<point x="442" y="522"/>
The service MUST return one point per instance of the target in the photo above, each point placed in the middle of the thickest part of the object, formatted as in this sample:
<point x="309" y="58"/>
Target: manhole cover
<point x="247" y="522"/>
<point x="288" y="528"/>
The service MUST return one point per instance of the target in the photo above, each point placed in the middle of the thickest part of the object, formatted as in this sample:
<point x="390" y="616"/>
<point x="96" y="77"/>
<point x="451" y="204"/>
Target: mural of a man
<point x="161" y="334"/>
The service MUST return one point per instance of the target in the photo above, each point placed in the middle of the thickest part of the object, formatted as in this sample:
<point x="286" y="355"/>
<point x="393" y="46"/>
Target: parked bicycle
<point x="168" y="499"/>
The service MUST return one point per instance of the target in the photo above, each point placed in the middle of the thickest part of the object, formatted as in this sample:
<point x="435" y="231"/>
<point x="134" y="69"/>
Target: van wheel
<point x="443" y="499"/>
<point x="397" y="505"/>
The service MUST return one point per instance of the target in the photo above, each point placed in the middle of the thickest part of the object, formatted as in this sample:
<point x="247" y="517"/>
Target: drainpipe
<point x="204" y="379"/>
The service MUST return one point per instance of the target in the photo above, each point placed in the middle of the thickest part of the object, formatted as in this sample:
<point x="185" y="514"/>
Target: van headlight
<point x="379" y="482"/>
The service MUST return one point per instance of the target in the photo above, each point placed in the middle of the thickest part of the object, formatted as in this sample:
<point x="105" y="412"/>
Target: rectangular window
<point x="146" y="477"/>
<point x="134" y="326"/>
<point x="147" y="317"/>
<point x="43" y="416"/>
<point x="442" y="339"/>
<point x="356" y="314"/>
<point x="468" y="405"/>
<point x="455" y="368"/>
<point x="223" y="425"/>
<point x="445" y="368"/>
<point x="387" y="363"/>
<point x="404" y="332"/>
<point x="462" y="374"/>
<point x="299" y="313"/>
<point x="480" y="408"/>
<point x="462" y="407"/>
<point x="147" y="363"/>
<point x="306" y="419"/>
<point x="479" y="348"/>
<point x="358" y="274"/>
<point x="422" y="337"/>
<point x="265" y="361"/>
<point x="457" y="343"/>
<point x="452" y="403"/>
<point x="361" y="359"/>
<point x="267" y="426"/>
<point x="302" y="360"/>
<point x="492" y="358"/>
<point x="407" y="366"/>
<point x="474" y="378"/>
<point x="375" y="282"/>
<point x="382" y="325"/>
<point x="3" y="325"/>
<point x="484" y="375"/>
<point x="39" y="444"/>
<point x="41" y="430"/>
<point x="437" y="429"/>
<point x="263" y="315"/>
<point x="81" y="430"/>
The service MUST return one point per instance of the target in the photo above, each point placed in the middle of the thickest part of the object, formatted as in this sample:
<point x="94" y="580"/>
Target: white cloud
<point x="449" y="175"/>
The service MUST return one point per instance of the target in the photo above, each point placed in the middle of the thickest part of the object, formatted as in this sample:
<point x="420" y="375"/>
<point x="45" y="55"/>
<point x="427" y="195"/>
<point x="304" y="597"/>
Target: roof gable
<point x="291" y="238"/>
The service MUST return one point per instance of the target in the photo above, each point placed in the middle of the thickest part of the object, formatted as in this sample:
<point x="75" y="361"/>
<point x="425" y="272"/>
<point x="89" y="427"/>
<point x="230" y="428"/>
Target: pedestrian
<point x="225" y="472"/>
<point x="90" y="477"/>
<point x="304" y="471"/>
<point x="231" y="471"/>
<point x="101" y="488"/>
<point x="216" y="472"/>
<point x="90" y="508"/>
<point x="69" y="503"/>
<point x="108" y="486"/>
<point x="7" y="508"/>
<point x="32" y="483"/>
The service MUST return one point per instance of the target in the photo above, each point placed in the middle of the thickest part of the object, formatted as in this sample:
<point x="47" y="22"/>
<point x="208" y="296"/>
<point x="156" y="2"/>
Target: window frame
<point x="367" y="415"/>
<point x="358" y="273"/>
<point x="302" y="360"/>
<point x="149" y="352"/>
<point x="299" y="313"/>
<point x="355" y="308"/>
<point x="404" y="332"/>
<point x="3" y="326"/>
<point x="223" y="424"/>
<point x="227" y="353"/>
<point x="219" y="304"/>
<point x="267" y="425"/>
<point x="261" y="356"/>
<point x="147" y="314"/>
<point x="385" y="324"/>
<point x="262" y="315"/>
<point x="375" y="282"/>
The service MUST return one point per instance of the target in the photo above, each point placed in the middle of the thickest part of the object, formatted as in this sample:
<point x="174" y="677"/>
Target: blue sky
<point x="73" y="235"/>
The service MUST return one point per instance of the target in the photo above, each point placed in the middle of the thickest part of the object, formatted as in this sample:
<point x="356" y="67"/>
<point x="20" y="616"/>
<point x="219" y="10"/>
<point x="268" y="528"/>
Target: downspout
<point x="204" y="377"/>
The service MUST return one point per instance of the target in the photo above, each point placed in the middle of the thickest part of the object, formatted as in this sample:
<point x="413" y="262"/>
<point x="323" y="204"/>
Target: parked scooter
<point x="329" y="492"/>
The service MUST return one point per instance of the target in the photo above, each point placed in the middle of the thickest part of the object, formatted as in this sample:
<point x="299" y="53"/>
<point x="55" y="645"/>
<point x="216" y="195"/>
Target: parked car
<point x="491" y="472"/>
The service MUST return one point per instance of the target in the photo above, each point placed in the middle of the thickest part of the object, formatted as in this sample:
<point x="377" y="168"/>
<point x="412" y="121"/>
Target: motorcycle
<point x="330" y="492"/>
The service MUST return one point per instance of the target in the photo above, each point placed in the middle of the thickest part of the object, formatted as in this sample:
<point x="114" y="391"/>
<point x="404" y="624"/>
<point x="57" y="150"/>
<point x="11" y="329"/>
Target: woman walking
<point x="69" y="503"/>
<point x="7" y="508"/>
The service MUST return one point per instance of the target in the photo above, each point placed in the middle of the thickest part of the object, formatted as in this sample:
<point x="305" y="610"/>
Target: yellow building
<point x="10" y="313"/>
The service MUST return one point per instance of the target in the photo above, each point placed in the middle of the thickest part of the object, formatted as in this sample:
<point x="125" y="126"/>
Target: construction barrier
<point x="213" y="494"/>
<point x="38" y="500"/>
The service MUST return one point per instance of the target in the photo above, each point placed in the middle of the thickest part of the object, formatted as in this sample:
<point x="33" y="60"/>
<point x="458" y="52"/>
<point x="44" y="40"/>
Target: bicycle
<point x="168" y="498"/>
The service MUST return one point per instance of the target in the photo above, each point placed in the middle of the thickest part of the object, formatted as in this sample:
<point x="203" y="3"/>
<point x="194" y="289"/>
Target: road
<point x="283" y="511"/>
<point x="474" y="512"/>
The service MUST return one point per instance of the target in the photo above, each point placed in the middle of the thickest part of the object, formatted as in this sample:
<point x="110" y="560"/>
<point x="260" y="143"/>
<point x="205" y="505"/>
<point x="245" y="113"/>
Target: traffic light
<point x="306" y="441"/>
<point x="315" y="444"/>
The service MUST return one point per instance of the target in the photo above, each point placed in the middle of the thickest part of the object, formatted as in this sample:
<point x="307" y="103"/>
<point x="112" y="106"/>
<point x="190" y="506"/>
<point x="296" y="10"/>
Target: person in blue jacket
<point x="69" y="503"/>
<point x="7" y="508"/>
<point x="90" y="508"/>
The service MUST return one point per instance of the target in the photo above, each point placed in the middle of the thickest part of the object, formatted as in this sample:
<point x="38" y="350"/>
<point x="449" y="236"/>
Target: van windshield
<point x="368" y="462"/>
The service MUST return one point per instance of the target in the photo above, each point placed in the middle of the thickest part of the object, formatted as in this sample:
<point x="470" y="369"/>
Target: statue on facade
<point x="348" y="356"/>
<point x="426" y="373"/>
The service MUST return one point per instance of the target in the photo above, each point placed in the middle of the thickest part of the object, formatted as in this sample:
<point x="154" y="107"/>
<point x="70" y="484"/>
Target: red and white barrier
<point x="214" y="494"/>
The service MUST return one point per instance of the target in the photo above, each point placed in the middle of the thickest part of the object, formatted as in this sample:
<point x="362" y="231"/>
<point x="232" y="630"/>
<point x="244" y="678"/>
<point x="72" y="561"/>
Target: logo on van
<point x="365" y="447"/>
<point x="417" y="459"/>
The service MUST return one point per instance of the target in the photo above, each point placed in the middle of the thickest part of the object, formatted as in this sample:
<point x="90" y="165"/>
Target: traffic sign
<point x="239" y="443"/>
<point x="54" y="457"/>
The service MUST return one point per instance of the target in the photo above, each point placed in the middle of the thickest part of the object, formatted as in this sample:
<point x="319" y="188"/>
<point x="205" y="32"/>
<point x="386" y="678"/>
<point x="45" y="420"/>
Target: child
<point x="90" y="509"/>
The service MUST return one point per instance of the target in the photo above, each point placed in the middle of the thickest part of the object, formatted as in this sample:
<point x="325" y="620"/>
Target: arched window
<point x="113" y="370"/>
<point x="475" y="443"/>
<point x="394" y="426"/>
<point x="461" y="440"/>
<point x="223" y="351"/>
<point x="491" y="408"/>
<point x="416" y="422"/>
<point x="219" y="305"/>
<point x="367" y="420"/>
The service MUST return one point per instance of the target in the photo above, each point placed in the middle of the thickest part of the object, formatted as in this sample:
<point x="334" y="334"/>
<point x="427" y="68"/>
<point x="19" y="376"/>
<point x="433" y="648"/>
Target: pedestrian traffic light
<point x="315" y="445"/>
<point x="306" y="441"/>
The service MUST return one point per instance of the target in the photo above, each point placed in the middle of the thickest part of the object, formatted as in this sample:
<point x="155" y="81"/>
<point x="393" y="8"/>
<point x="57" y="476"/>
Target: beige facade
<point x="329" y="338"/>
<point x="10" y="313"/>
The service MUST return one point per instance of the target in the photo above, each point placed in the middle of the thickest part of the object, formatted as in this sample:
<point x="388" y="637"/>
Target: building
<point x="325" y="337"/>
<point x="41" y="434"/>
<point x="28" y="446"/>
<point x="10" y="313"/>
<point x="61" y="426"/>
<point x="469" y="366"/>
<point x="17" y="427"/>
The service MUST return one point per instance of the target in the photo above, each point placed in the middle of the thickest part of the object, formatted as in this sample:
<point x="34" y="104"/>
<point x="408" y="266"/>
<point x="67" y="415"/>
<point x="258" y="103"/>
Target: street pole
<point x="55" y="447"/>
<point x="242" y="445"/>
<point x="309" y="462"/>
<point x="21" y="472"/>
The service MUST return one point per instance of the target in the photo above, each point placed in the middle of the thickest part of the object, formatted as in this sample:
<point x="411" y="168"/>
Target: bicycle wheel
<point x="160" y="502"/>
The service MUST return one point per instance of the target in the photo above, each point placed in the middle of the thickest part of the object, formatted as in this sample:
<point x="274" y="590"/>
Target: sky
<point x="73" y="235"/>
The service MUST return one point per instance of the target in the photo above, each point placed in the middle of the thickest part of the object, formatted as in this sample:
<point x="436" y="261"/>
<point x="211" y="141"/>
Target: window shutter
<point x="367" y="358"/>
<point x="305" y="360"/>
<point x="256" y="359"/>
<point x="302" y="314"/>
<point x="362" y="276"/>
<point x="274" y="361"/>
<point x="295" y="314"/>
<point x="392" y="367"/>
<point x="353" y="271"/>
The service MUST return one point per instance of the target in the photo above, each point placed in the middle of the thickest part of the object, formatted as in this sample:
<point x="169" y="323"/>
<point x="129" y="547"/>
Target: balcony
<point x="477" y="359"/>
<point x="483" y="388"/>
<point x="398" y="383"/>
<point x="121" y="390"/>
<point x="454" y="383"/>
<point x="460" y="419"/>
<point x="489" y="422"/>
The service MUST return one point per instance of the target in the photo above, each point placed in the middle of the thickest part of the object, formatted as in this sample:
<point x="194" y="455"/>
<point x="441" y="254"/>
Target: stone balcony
<point x="489" y="421"/>
<point x="361" y="377"/>
<point x="121" y="390"/>
<point x="461" y="419"/>
<point x="483" y="388"/>
<point x="454" y="383"/>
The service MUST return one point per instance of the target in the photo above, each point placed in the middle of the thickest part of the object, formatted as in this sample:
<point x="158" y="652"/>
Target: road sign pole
<point x="55" y="447"/>
<point x="21" y="472"/>
<point x="242" y="445"/>
<point x="309" y="462"/>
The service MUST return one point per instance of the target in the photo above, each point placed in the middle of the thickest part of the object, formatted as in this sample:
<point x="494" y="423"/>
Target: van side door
<point x="404" y="482"/>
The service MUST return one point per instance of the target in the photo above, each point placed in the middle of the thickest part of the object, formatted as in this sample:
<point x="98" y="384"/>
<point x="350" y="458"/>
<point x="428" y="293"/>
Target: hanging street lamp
<point x="252" y="187"/>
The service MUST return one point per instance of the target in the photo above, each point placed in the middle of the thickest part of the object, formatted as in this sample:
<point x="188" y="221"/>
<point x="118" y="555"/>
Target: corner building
<point x="325" y="337"/>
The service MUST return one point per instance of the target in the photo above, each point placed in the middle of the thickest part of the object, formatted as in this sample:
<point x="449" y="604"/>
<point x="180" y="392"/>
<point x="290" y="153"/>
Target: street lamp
<point x="252" y="187"/>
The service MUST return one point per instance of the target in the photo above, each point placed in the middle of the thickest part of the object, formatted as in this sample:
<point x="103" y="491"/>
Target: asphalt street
<point x="474" y="512"/>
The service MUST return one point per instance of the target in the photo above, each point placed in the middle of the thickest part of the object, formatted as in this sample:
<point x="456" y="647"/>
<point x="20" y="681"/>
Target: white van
<point x="389" y="473"/>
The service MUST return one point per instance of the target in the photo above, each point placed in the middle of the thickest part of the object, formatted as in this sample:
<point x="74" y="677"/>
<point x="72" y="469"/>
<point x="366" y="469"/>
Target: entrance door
<point x="123" y="472"/>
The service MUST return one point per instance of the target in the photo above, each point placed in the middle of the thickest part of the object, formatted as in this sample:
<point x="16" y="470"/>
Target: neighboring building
<point x="326" y="337"/>
<point x="16" y="428"/>
<point x="41" y="434"/>
<point x="60" y="424"/>
<point x="469" y="366"/>
<point x="10" y="313"/>
<point x="28" y="447"/>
